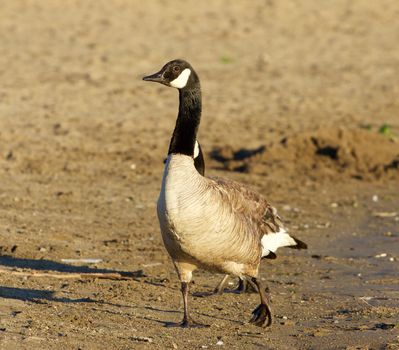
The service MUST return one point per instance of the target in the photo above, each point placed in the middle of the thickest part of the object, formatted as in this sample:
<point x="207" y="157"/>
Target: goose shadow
<point x="169" y="323"/>
<point x="48" y="265"/>
<point x="37" y="295"/>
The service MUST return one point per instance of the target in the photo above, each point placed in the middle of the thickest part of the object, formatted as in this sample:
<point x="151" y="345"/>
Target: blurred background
<point x="264" y="65"/>
<point x="300" y="101"/>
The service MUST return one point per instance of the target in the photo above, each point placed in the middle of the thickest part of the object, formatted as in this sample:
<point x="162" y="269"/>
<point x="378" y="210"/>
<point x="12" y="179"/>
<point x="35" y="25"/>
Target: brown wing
<point x="249" y="203"/>
<point x="256" y="210"/>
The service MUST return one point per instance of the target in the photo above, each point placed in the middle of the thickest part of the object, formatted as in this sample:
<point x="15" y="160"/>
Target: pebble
<point x="143" y="339"/>
<point x="382" y="255"/>
<point x="220" y="342"/>
<point x="385" y="214"/>
<point x="286" y="207"/>
<point x="375" y="198"/>
<point x="334" y="205"/>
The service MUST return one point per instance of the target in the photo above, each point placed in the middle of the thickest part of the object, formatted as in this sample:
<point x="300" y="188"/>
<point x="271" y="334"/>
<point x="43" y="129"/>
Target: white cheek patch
<point x="196" y="149"/>
<point x="181" y="81"/>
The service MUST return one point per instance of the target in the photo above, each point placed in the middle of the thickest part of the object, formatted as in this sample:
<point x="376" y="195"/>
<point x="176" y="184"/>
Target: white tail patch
<point x="196" y="149"/>
<point x="181" y="81"/>
<point x="272" y="241"/>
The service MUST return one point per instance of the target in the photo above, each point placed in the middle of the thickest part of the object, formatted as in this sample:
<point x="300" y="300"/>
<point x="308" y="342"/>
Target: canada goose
<point x="211" y="223"/>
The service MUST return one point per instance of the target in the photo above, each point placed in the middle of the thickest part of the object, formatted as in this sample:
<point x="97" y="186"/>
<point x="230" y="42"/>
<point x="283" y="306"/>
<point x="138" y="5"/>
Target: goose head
<point x="177" y="73"/>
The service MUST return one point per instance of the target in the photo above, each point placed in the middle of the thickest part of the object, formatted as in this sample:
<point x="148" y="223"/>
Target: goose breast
<point x="200" y="221"/>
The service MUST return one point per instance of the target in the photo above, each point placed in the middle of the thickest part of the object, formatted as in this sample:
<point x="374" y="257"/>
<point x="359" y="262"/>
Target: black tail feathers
<point x="299" y="244"/>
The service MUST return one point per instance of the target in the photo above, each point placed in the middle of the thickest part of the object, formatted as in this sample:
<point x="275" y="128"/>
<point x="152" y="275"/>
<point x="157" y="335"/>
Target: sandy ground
<point x="294" y="94"/>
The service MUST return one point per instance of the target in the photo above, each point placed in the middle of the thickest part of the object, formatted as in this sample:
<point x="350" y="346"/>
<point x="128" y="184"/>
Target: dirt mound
<point x="358" y="153"/>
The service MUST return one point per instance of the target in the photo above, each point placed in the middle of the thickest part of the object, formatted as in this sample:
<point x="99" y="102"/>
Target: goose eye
<point x="176" y="69"/>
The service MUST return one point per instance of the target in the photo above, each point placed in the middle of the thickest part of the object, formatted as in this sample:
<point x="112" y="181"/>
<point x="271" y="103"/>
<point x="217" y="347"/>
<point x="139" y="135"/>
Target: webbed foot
<point x="261" y="316"/>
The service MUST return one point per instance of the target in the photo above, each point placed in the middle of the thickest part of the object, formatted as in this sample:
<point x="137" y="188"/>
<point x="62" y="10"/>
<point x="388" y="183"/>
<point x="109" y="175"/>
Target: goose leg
<point x="187" y="321"/>
<point x="245" y="286"/>
<point x="220" y="287"/>
<point x="262" y="315"/>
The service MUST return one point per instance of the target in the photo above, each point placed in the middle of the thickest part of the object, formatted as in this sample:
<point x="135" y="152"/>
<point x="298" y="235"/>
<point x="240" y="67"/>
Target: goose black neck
<point x="187" y="123"/>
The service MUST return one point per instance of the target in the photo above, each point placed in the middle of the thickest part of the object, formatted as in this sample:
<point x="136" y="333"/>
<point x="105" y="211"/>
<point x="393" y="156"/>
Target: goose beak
<point x="157" y="77"/>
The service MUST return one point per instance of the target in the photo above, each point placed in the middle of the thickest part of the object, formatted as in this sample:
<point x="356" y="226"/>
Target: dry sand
<point x="294" y="94"/>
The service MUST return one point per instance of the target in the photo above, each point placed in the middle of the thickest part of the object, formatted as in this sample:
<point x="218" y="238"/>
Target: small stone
<point x="220" y="342"/>
<point x="316" y="256"/>
<point x="385" y="214"/>
<point x="9" y="155"/>
<point x="322" y="332"/>
<point x="143" y="339"/>
<point x="374" y="198"/>
<point x="334" y="205"/>
<point x="382" y="255"/>
<point x="391" y="259"/>
<point x="384" y="326"/>
<point x="133" y="166"/>
<point x="363" y="327"/>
